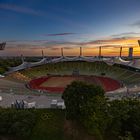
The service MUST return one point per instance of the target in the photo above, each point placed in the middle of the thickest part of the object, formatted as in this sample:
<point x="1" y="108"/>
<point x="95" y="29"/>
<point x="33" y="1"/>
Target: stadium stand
<point x="98" y="68"/>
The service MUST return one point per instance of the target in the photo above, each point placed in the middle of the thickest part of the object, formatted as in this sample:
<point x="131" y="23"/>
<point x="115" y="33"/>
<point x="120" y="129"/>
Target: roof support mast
<point x="120" y="51"/>
<point x="80" y="51"/>
<point x="42" y="54"/>
<point x="62" y="54"/>
<point x="22" y="58"/>
<point x="100" y="51"/>
<point x="139" y="42"/>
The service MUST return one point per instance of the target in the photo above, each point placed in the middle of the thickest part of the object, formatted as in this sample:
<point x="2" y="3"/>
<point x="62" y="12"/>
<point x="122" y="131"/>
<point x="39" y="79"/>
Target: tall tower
<point x="130" y="54"/>
<point x="100" y="51"/>
<point x="139" y="42"/>
<point x="120" y="51"/>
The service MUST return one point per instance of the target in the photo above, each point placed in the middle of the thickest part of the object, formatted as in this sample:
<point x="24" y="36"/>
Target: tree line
<point x="110" y="120"/>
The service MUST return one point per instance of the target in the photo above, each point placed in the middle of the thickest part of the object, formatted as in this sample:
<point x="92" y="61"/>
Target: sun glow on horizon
<point x="110" y="48"/>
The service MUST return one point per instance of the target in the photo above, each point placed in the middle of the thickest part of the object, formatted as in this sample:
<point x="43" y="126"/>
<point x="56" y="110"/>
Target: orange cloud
<point x="110" y="47"/>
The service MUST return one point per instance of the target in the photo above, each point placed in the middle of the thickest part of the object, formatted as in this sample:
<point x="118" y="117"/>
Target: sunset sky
<point x="29" y="26"/>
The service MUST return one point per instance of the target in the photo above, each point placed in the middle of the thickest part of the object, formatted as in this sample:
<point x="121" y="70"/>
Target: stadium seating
<point x="85" y="68"/>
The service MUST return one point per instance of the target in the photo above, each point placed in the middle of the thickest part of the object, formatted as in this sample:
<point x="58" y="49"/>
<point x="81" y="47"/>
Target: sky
<point x="30" y="26"/>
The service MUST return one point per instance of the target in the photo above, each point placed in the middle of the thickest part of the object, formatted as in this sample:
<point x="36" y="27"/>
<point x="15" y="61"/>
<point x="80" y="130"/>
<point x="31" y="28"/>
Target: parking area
<point x="42" y="101"/>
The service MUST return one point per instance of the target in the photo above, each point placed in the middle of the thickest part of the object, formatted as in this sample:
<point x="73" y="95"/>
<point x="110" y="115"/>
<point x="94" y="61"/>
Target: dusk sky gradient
<point x="28" y="26"/>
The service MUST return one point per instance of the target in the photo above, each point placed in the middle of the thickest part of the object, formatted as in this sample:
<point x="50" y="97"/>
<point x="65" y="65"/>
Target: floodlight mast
<point x="2" y="46"/>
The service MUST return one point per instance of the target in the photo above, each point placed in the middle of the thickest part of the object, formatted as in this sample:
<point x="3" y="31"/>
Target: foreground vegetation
<point x="104" y="119"/>
<point x="88" y="116"/>
<point x="42" y="124"/>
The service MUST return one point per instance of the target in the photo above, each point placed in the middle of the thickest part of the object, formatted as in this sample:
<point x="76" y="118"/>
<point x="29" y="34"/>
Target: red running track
<point x="108" y="84"/>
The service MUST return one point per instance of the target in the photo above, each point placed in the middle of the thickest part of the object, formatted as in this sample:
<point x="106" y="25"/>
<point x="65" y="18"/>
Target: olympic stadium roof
<point x="109" y="61"/>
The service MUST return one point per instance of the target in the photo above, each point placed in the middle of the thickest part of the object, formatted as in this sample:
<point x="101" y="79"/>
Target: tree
<point x="117" y="119"/>
<point x="77" y="95"/>
<point x="86" y="103"/>
<point x="124" y="118"/>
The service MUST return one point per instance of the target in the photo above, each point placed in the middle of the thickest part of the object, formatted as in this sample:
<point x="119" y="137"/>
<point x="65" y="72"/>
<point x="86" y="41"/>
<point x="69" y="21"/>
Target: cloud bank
<point x="59" y="34"/>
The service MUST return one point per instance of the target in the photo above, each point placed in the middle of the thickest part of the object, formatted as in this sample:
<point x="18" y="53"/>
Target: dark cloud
<point x="54" y="48"/>
<point x="112" y="40"/>
<point x="19" y="9"/>
<point x="111" y="46"/>
<point x="26" y="46"/>
<point x="39" y="40"/>
<point x="136" y="24"/>
<point x="56" y="45"/>
<point x="100" y="42"/>
<point x="126" y="35"/>
<point x="37" y="48"/>
<point x="59" y="34"/>
<point x="68" y="48"/>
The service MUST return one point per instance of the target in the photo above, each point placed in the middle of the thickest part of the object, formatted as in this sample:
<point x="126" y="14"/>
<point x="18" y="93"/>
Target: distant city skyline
<point x="30" y="26"/>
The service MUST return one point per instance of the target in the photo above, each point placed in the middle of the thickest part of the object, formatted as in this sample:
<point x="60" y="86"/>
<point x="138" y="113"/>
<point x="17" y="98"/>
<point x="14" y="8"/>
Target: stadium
<point x="52" y="75"/>
<point x="70" y="70"/>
